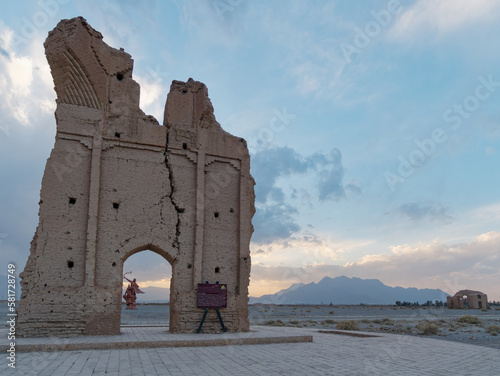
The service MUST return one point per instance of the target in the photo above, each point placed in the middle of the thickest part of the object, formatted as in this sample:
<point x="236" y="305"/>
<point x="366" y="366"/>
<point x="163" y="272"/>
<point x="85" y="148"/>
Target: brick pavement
<point x="329" y="354"/>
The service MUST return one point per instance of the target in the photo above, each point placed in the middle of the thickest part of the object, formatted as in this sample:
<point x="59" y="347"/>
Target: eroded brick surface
<point x="117" y="183"/>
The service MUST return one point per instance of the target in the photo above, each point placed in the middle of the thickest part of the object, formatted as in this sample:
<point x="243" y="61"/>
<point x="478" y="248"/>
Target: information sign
<point x="212" y="295"/>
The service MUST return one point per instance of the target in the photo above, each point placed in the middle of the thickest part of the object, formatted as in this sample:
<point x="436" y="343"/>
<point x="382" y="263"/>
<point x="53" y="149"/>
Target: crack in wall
<point x="178" y="209"/>
<point x="161" y="204"/>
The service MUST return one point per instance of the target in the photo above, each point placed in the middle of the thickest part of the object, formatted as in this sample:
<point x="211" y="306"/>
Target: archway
<point x="151" y="266"/>
<point x="153" y="273"/>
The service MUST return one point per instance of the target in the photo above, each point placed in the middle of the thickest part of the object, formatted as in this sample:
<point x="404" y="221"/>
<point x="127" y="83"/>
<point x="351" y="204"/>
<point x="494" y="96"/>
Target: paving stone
<point x="328" y="354"/>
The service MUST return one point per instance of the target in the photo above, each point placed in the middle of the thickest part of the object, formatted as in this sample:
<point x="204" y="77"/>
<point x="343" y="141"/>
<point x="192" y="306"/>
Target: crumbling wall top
<point x="83" y="65"/>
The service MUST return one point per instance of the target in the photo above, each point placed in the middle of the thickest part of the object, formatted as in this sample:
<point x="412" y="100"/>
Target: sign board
<point x="212" y="295"/>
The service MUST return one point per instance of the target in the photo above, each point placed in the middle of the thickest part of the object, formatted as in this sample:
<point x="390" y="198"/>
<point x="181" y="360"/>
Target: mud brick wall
<point x="117" y="183"/>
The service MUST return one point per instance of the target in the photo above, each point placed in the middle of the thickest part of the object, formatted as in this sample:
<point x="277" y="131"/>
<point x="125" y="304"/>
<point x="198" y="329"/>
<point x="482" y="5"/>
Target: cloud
<point x="330" y="184"/>
<point x="274" y="218"/>
<point x="213" y="22"/>
<point x="311" y="58"/>
<point x="443" y="17"/>
<point x="153" y="94"/>
<point x="274" y="221"/>
<point x="149" y="268"/>
<point x="25" y="82"/>
<point x="451" y="267"/>
<point x="284" y="262"/>
<point x="353" y="188"/>
<point x="305" y="249"/>
<point x="434" y="212"/>
<point x="271" y="163"/>
<point x="475" y="264"/>
<point x="27" y="128"/>
<point x="489" y="213"/>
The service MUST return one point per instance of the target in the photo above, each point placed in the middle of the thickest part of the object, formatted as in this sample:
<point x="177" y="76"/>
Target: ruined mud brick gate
<point x="118" y="183"/>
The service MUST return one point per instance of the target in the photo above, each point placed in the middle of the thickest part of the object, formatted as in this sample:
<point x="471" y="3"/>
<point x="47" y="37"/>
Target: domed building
<point x="468" y="299"/>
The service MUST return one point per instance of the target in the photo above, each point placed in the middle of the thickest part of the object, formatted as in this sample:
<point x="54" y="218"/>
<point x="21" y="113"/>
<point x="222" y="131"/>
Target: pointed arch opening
<point x="152" y="268"/>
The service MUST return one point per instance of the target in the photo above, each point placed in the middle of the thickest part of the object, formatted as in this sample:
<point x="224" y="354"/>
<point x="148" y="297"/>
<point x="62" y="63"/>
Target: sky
<point x="373" y="128"/>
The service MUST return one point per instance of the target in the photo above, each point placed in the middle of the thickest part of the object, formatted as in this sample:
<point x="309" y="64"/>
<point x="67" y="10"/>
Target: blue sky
<point x="374" y="127"/>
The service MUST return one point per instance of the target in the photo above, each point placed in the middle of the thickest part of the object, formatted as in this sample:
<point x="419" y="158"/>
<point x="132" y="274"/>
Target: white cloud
<point x="306" y="250"/>
<point x="303" y="251"/>
<point x="26" y="87"/>
<point x="451" y="267"/>
<point x="488" y="213"/>
<point x="443" y="17"/>
<point x="149" y="268"/>
<point x="153" y="95"/>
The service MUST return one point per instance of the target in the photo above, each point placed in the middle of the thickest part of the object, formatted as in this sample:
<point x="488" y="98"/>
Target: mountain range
<point x="339" y="290"/>
<point x="344" y="290"/>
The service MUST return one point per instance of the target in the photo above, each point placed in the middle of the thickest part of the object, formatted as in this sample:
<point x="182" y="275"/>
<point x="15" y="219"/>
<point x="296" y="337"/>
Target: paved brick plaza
<point x="328" y="354"/>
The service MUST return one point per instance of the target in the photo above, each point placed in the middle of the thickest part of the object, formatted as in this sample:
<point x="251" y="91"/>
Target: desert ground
<point x="469" y="326"/>
<point x="479" y="327"/>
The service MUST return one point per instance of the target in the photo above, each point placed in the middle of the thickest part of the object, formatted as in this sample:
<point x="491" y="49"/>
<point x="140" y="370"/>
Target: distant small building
<point x="467" y="299"/>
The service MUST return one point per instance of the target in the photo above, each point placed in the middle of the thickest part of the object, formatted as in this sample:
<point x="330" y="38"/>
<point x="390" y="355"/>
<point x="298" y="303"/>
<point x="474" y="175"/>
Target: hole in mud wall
<point x="117" y="134"/>
<point x="72" y="201"/>
<point x="119" y="76"/>
<point x="184" y="146"/>
<point x="116" y="205"/>
<point x="190" y="266"/>
<point x="216" y="214"/>
<point x="113" y="264"/>
<point x="217" y="269"/>
<point x="70" y="264"/>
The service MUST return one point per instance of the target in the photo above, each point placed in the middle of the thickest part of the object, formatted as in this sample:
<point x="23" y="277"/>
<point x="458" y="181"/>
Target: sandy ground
<point x="388" y="319"/>
<point x="376" y="319"/>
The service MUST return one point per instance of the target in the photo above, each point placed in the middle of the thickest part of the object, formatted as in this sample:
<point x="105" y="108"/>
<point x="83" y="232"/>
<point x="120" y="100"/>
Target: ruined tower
<point x="117" y="183"/>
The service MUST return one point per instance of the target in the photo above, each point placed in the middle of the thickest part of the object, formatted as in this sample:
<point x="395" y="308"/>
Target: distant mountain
<point x="344" y="290"/>
<point x="339" y="290"/>
<point x="153" y="295"/>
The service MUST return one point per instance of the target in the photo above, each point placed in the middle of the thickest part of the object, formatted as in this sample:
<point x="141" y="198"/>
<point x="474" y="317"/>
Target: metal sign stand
<point x="212" y="295"/>
<point x="204" y="317"/>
